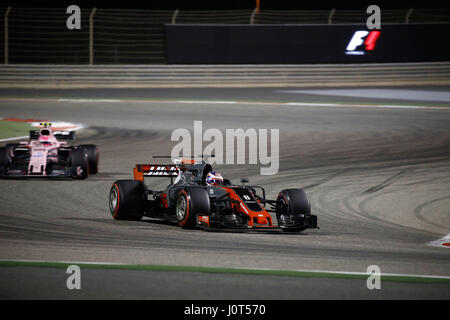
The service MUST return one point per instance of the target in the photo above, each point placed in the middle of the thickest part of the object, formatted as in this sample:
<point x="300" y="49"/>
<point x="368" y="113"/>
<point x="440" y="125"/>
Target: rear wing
<point x="155" y="170"/>
<point x="64" y="135"/>
<point x="60" y="135"/>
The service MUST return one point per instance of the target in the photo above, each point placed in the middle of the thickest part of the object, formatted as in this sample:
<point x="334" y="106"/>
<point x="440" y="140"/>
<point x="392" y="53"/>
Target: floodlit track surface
<point x="378" y="180"/>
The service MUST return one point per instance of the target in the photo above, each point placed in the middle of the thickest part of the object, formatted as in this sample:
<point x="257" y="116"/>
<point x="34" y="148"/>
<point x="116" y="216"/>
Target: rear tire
<point x="127" y="200"/>
<point x="93" y="157"/>
<point x="191" y="202"/>
<point x="79" y="159"/>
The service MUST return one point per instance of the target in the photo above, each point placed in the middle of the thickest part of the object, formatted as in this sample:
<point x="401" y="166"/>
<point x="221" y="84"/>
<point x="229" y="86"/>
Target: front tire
<point x="292" y="206"/>
<point x="79" y="160"/>
<point x="4" y="159"/>
<point x="127" y="200"/>
<point x="191" y="202"/>
<point x="93" y="157"/>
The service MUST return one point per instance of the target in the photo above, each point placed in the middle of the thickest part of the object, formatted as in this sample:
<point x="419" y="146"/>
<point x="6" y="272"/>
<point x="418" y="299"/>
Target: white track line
<point x="306" y="104"/>
<point x="313" y="104"/>
<point x="89" y="100"/>
<point x="425" y="276"/>
<point x="351" y="273"/>
<point x="303" y="104"/>
<point x="13" y="138"/>
<point x="207" y="101"/>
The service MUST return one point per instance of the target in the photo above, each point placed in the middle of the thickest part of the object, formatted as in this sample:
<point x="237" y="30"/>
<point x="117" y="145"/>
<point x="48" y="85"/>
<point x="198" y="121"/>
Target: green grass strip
<point x="9" y="129"/>
<point x="238" y="271"/>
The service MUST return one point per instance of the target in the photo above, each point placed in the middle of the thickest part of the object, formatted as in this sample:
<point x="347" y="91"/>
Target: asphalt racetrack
<point x="377" y="172"/>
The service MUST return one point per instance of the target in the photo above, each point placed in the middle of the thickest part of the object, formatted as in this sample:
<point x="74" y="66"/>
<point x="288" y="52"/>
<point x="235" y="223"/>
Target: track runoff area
<point x="376" y="173"/>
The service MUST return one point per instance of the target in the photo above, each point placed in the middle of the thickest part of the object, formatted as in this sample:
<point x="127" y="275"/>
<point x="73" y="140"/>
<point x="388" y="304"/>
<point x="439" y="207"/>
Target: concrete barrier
<point x="317" y="75"/>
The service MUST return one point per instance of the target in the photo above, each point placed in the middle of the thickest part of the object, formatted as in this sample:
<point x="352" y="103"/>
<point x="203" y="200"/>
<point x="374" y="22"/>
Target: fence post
<point x="252" y="17"/>
<point x="408" y="14"/>
<point x="6" y="34"/>
<point x="330" y="17"/>
<point x="91" y="36"/>
<point x="174" y="17"/>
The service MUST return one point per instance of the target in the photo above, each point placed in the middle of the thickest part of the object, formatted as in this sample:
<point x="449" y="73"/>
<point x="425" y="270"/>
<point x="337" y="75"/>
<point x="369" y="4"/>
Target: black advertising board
<point x="286" y="44"/>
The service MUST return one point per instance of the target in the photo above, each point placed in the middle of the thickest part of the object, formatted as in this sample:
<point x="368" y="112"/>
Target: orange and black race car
<point x="191" y="200"/>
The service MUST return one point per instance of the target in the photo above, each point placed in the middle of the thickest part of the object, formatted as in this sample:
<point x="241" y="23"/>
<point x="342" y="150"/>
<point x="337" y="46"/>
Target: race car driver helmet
<point x="214" y="178"/>
<point x="44" y="137"/>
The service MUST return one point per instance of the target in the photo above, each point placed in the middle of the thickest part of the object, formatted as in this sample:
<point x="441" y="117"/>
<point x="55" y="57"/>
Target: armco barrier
<point x="129" y="76"/>
<point x="297" y="44"/>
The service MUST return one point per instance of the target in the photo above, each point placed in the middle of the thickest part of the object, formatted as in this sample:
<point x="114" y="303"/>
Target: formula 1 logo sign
<point x="362" y="41"/>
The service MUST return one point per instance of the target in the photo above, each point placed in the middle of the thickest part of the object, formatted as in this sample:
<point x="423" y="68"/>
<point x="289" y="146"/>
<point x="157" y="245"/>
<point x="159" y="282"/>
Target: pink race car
<point x="48" y="154"/>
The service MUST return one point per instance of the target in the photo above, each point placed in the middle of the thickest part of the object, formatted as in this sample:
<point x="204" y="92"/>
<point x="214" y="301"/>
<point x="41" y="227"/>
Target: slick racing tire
<point x="127" y="200"/>
<point x="93" y="157"/>
<point x="79" y="159"/>
<point x="4" y="159"/>
<point x="291" y="203"/>
<point x="191" y="202"/>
